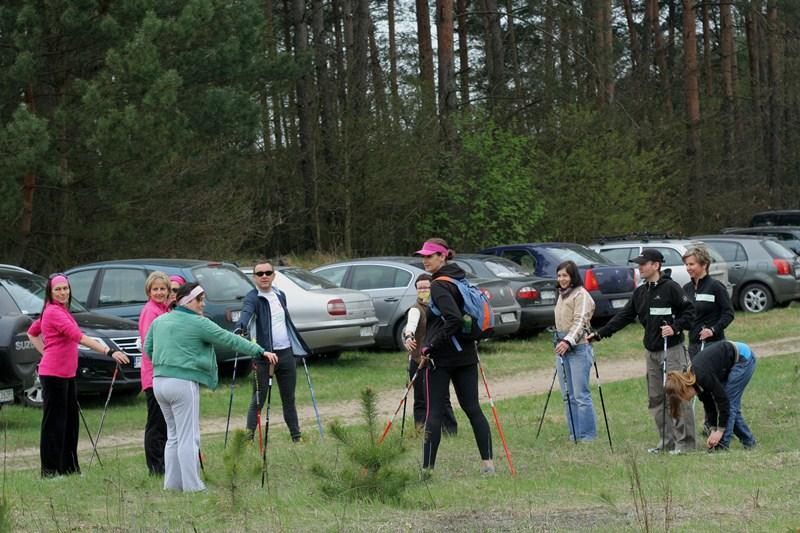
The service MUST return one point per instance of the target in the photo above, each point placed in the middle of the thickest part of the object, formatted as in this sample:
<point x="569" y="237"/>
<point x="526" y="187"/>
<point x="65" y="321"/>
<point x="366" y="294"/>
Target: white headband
<point x="197" y="291"/>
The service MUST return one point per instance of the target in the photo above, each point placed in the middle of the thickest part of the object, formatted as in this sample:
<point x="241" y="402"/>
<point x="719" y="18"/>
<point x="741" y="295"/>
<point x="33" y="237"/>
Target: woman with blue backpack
<point x="450" y="355"/>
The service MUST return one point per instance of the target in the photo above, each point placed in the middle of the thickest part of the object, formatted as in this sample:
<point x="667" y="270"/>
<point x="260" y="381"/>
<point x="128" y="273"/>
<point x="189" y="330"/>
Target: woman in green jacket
<point x="181" y="346"/>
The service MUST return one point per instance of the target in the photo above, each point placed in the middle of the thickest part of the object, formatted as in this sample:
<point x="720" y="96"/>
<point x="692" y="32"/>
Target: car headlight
<point x="96" y="339"/>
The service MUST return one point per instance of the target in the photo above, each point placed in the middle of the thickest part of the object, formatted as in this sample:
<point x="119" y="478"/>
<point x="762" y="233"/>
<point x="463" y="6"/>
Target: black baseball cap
<point x="648" y="254"/>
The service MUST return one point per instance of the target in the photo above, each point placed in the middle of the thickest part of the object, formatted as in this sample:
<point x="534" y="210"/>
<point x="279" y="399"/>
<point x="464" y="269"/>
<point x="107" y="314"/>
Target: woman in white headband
<point x="181" y="346"/>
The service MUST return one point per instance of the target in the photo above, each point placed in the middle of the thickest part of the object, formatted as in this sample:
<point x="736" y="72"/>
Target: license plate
<point x="235" y="315"/>
<point x="366" y="331"/>
<point x="548" y="295"/>
<point x="137" y="362"/>
<point x="6" y="395"/>
<point x="618" y="304"/>
<point x="508" y="317"/>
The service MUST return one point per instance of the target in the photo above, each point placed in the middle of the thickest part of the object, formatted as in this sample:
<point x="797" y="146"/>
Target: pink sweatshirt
<point x="150" y="312"/>
<point x="61" y="334"/>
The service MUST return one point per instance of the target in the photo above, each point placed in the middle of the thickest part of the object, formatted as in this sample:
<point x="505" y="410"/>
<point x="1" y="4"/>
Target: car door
<point x="388" y="286"/>
<point x="81" y="283"/>
<point x="620" y="255"/>
<point x="334" y="274"/>
<point x="523" y="258"/>
<point x="121" y="292"/>
<point x="736" y="257"/>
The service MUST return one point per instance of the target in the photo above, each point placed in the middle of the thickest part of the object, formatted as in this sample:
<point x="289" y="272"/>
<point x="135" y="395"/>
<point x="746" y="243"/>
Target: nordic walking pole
<point x="91" y="439"/>
<point x="105" y="410"/>
<point x="496" y="418"/>
<point x="664" y="389"/>
<point x="402" y="403"/>
<point x="602" y="403"/>
<point x="403" y="421"/>
<point x="266" y="426"/>
<point x="566" y="399"/>
<point x="313" y="400"/>
<point x="258" y="406"/>
<point x="547" y="401"/>
<point x="200" y="458"/>
<point x="230" y="399"/>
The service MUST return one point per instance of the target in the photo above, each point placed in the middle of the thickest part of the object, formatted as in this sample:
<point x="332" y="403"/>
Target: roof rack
<point x="639" y="236"/>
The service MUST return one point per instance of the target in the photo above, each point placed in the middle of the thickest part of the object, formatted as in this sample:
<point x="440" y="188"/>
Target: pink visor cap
<point x="177" y="279"/>
<point x="430" y="248"/>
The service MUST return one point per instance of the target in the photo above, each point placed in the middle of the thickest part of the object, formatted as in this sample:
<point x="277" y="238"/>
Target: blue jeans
<point x="578" y="364"/>
<point x="737" y="380"/>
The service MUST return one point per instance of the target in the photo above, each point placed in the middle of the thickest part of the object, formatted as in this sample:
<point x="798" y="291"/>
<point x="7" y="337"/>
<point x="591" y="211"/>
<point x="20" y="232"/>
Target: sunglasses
<point x="173" y="291"/>
<point x="263" y="273"/>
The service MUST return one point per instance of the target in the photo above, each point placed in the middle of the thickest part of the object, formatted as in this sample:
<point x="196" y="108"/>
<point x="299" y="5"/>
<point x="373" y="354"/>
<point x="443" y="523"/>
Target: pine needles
<point x="369" y="473"/>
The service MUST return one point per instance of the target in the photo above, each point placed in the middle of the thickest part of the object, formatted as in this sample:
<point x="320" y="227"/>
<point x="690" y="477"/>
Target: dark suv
<point x="21" y="300"/>
<point x="786" y="217"/>
<point x="117" y="288"/>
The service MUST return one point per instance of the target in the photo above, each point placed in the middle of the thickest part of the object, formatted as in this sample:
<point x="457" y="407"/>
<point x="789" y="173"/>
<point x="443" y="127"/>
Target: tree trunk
<point x="447" y="93"/>
<point x="774" y="47"/>
<point x="425" y="57"/>
<point x="660" y="56"/>
<point x="326" y="91"/>
<point x="691" y="85"/>
<point x="727" y="111"/>
<point x="604" y="52"/>
<point x="463" y="53"/>
<point x="549" y="83"/>
<point x="494" y="54"/>
<point x="392" y="56"/>
<point x="752" y="16"/>
<point x="709" y="75"/>
<point x="377" y="73"/>
<point x="272" y="54"/>
<point x="305" y="89"/>
<point x="512" y="44"/>
<point x="636" y="47"/>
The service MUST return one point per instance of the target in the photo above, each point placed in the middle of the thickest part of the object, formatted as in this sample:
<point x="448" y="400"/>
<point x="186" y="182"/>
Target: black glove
<point x="241" y="332"/>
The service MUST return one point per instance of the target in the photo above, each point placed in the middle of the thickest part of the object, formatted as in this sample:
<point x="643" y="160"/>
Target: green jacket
<point x="180" y="345"/>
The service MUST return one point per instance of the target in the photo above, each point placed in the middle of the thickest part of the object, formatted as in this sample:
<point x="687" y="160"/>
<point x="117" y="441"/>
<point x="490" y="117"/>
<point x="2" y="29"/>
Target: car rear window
<point x="222" y="283"/>
<point x="27" y="291"/>
<point x="777" y="250"/>
<point x="505" y="268"/>
<point x="307" y="280"/>
<point x="581" y="256"/>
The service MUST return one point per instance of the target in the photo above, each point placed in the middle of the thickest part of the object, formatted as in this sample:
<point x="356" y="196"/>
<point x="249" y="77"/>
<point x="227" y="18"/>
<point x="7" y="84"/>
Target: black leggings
<point x="465" y="382"/>
<point x="286" y="374"/>
<point x="155" y="435"/>
<point x="59" y="439"/>
<point x="449" y="423"/>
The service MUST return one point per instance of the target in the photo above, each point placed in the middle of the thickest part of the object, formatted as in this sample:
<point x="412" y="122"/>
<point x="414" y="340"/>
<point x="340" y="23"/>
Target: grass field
<point x="559" y="486"/>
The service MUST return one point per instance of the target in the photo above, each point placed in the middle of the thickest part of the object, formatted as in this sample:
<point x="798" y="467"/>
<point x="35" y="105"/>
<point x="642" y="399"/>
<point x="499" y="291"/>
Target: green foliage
<point x="487" y="192"/>
<point x="233" y="464"/>
<point x="370" y="474"/>
<point x="597" y="180"/>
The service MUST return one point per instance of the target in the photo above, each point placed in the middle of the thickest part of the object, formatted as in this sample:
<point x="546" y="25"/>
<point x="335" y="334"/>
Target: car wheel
<point x="755" y="298"/>
<point x="33" y="396"/>
<point x="398" y="334"/>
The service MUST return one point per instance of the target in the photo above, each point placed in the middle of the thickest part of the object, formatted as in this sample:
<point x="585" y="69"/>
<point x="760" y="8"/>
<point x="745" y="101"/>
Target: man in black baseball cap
<point x="665" y="311"/>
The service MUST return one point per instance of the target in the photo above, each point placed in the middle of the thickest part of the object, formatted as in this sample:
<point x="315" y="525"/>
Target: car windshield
<point x="581" y="256"/>
<point x="28" y="293"/>
<point x="505" y="268"/>
<point x="222" y="283"/>
<point x="778" y="250"/>
<point x="307" y="280"/>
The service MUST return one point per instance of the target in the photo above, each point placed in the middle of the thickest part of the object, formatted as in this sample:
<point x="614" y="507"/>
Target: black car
<point x="21" y="301"/>
<point x="535" y="295"/>
<point x="116" y="288"/>
<point x="785" y="217"/>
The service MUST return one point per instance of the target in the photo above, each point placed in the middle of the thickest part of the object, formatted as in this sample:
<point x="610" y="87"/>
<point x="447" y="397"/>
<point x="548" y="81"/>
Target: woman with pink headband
<point x="55" y="334"/>
<point x="175" y="282"/>
<point x="181" y="346"/>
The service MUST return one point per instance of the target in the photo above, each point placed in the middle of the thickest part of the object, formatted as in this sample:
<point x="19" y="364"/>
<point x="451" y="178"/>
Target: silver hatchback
<point x="390" y="283"/>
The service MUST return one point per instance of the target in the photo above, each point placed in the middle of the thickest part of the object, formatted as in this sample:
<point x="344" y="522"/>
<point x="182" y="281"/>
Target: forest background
<point x="227" y="128"/>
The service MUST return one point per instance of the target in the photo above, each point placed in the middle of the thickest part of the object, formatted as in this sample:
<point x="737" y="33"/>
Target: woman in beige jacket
<point x="574" y="357"/>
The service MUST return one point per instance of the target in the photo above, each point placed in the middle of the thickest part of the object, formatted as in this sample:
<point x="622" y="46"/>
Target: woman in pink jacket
<point x="157" y="289"/>
<point x="55" y="334"/>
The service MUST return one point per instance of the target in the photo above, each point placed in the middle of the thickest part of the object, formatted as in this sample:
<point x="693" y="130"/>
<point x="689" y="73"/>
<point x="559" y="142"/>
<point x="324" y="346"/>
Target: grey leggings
<point x="179" y="400"/>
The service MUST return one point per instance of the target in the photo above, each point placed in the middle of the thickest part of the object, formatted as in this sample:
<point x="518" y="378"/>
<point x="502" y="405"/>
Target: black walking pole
<point x="91" y="439"/>
<point x="664" y="405"/>
<point x="266" y="426"/>
<point x="547" y="401"/>
<point x="230" y="399"/>
<point x="103" y="417"/>
<point x="569" y="403"/>
<point x="602" y="403"/>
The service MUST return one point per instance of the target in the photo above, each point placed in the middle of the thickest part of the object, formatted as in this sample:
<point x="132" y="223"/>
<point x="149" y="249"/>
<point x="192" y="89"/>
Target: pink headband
<point x="430" y="248"/>
<point x="177" y="279"/>
<point x="197" y="291"/>
<point x="56" y="280"/>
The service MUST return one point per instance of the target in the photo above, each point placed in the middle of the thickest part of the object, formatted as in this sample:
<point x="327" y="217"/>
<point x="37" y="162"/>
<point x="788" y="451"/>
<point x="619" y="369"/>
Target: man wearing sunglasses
<point x="266" y="318"/>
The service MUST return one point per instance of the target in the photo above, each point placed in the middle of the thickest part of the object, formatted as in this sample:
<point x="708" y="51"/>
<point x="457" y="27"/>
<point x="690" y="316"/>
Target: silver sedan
<point x="330" y="319"/>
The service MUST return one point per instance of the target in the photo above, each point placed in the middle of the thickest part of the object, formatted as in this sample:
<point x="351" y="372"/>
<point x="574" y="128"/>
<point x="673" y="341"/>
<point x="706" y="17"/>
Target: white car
<point x="622" y="251"/>
<point x="329" y="319"/>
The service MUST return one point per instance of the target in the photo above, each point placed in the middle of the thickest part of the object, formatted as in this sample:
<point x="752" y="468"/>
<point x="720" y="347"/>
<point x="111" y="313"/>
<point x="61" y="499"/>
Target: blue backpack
<point x="478" y="319"/>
